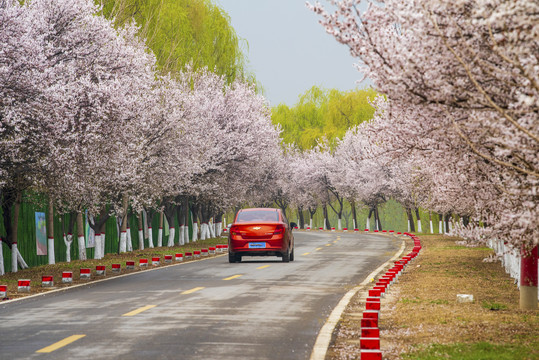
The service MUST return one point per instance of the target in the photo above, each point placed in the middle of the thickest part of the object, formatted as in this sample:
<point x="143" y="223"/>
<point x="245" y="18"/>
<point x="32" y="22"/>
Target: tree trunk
<point x="194" y="217"/>
<point x="140" y="232"/>
<point x="440" y="223"/>
<point x="301" y="218"/>
<point x="430" y="222"/>
<point x="327" y="224"/>
<point x="80" y="237"/>
<point x="2" y="270"/>
<point x="170" y="213"/>
<point x="377" y="218"/>
<point x="16" y="257"/>
<point x="160" y="232"/>
<point x="150" y="214"/>
<point x="411" y="226"/>
<point x="419" y="228"/>
<point x="103" y="240"/>
<point x="528" y="279"/>
<point x="446" y="223"/>
<point x="122" y="246"/>
<point x="354" y="214"/>
<point x="50" y="232"/>
<point x="219" y="224"/>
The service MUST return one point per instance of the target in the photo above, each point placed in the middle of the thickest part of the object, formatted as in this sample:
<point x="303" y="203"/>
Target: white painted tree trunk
<point x="195" y="232"/>
<point x="218" y="229"/>
<point x="2" y="270"/>
<point x="182" y="235"/>
<point x="368" y="224"/>
<point x="419" y="229"/>
<point x="445" y="227"/>
<point x="203" y="228"/>
<point x="123" y="241"/>
<point x="97" y="247"/>
<point x="325" y="224"/>
<point x="450" y="225"/>
<point x="140" y="239"/>
<point x="102" y="251"/>
<point x="160" y="237"/>
<point x="186" y="234"/>
<point x="171" y="234"/>
<point x="377" y="223"/>
<point x="211" y="227"/>
<point x="150" y="237"/>
<point x="354" y="223"/>
<point x="50" y="251"/>
<point x="409" y="227"/>
<point x="129" y="241"/>
<point x="68" y="240"/>
<point x="14" y="267"/>
<point x="82" y="247"/>
<point x="19" y="259"/>
<point x="339" y="224"/>
<point x="311" y="223"/>
<point x="431" y="227"/>
<point x="440" y="227"/>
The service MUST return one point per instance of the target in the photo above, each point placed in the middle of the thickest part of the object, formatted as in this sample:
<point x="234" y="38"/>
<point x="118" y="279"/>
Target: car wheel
<point x="292" y="255"/>
<point x="231" y="258"/>
<point x="286" y="256"/>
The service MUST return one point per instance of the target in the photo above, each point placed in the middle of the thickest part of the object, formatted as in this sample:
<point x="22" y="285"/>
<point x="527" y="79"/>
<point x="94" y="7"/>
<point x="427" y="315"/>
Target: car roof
<point x="260" y="209"/>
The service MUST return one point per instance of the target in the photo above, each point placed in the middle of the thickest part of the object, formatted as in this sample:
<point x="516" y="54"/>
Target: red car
<point x="260" y="232"/>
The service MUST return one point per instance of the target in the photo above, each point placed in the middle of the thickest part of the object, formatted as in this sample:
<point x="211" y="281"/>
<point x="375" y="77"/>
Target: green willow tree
<point x="180" y="32"/>
<point x="322" y="114"/>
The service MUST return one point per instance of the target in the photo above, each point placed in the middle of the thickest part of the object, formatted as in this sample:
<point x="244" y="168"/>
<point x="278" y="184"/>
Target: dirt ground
<point x="420" y="317"/>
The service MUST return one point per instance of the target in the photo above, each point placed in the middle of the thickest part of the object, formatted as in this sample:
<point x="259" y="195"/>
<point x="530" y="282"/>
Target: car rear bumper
<point x="272" y="247"/>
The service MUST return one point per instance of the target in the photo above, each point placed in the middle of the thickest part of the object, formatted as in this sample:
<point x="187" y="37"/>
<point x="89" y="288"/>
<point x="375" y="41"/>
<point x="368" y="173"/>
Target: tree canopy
<point x="179" y="32"/>
<point x="323" y="114"/>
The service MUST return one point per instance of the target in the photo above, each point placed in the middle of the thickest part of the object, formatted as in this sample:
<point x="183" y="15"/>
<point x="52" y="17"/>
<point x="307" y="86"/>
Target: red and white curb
<point x="47" y="281"/>
<point x="23" y="285"/>
<point x="370" y="332"/>
<point x="85" y="273"/>
<point x="369" y="324"/>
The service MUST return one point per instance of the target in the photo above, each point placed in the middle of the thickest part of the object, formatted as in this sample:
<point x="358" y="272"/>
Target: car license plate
<point x="257" y="245"/>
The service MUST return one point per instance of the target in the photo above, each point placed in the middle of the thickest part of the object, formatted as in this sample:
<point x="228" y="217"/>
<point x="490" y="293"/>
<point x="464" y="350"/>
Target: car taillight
<point x="279" y="229"/>
<point x="234" y="231"/>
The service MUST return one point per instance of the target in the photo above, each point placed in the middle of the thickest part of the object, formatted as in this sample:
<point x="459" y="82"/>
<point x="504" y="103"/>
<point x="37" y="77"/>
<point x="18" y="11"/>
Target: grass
<point x="474" y="351"/>
<point x="35" y="273"/>
<point x="421" y="318"/>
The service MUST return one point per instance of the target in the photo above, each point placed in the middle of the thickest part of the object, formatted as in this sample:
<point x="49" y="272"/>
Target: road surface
<point x="260" y="308"/>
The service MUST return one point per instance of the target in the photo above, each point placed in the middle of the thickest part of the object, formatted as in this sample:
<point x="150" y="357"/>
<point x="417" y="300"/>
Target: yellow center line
<point x="139" y="310"/>
<point x="328" y="244"/>
<point x="263" y="267"/>
<point x="68" y="340"/>
<point x="192" y="290"/>
<point x="232" y="277"/>
<point x="307" y="253"/>
<point x="317" y="249"/>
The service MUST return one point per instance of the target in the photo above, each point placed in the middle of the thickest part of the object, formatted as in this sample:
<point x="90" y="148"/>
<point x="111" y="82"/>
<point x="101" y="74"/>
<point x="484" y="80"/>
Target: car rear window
<point x="257" y="215"/>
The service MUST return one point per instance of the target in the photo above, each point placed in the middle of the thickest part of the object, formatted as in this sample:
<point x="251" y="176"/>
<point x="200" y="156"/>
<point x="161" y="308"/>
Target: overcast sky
<point x="289" y="51"/>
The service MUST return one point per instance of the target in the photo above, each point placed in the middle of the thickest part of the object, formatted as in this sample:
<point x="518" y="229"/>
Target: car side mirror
<point x="293" y="225"/>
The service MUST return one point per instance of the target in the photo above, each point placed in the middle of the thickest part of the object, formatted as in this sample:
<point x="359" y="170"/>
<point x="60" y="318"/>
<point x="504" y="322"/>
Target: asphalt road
<point x="260" y="308"/>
